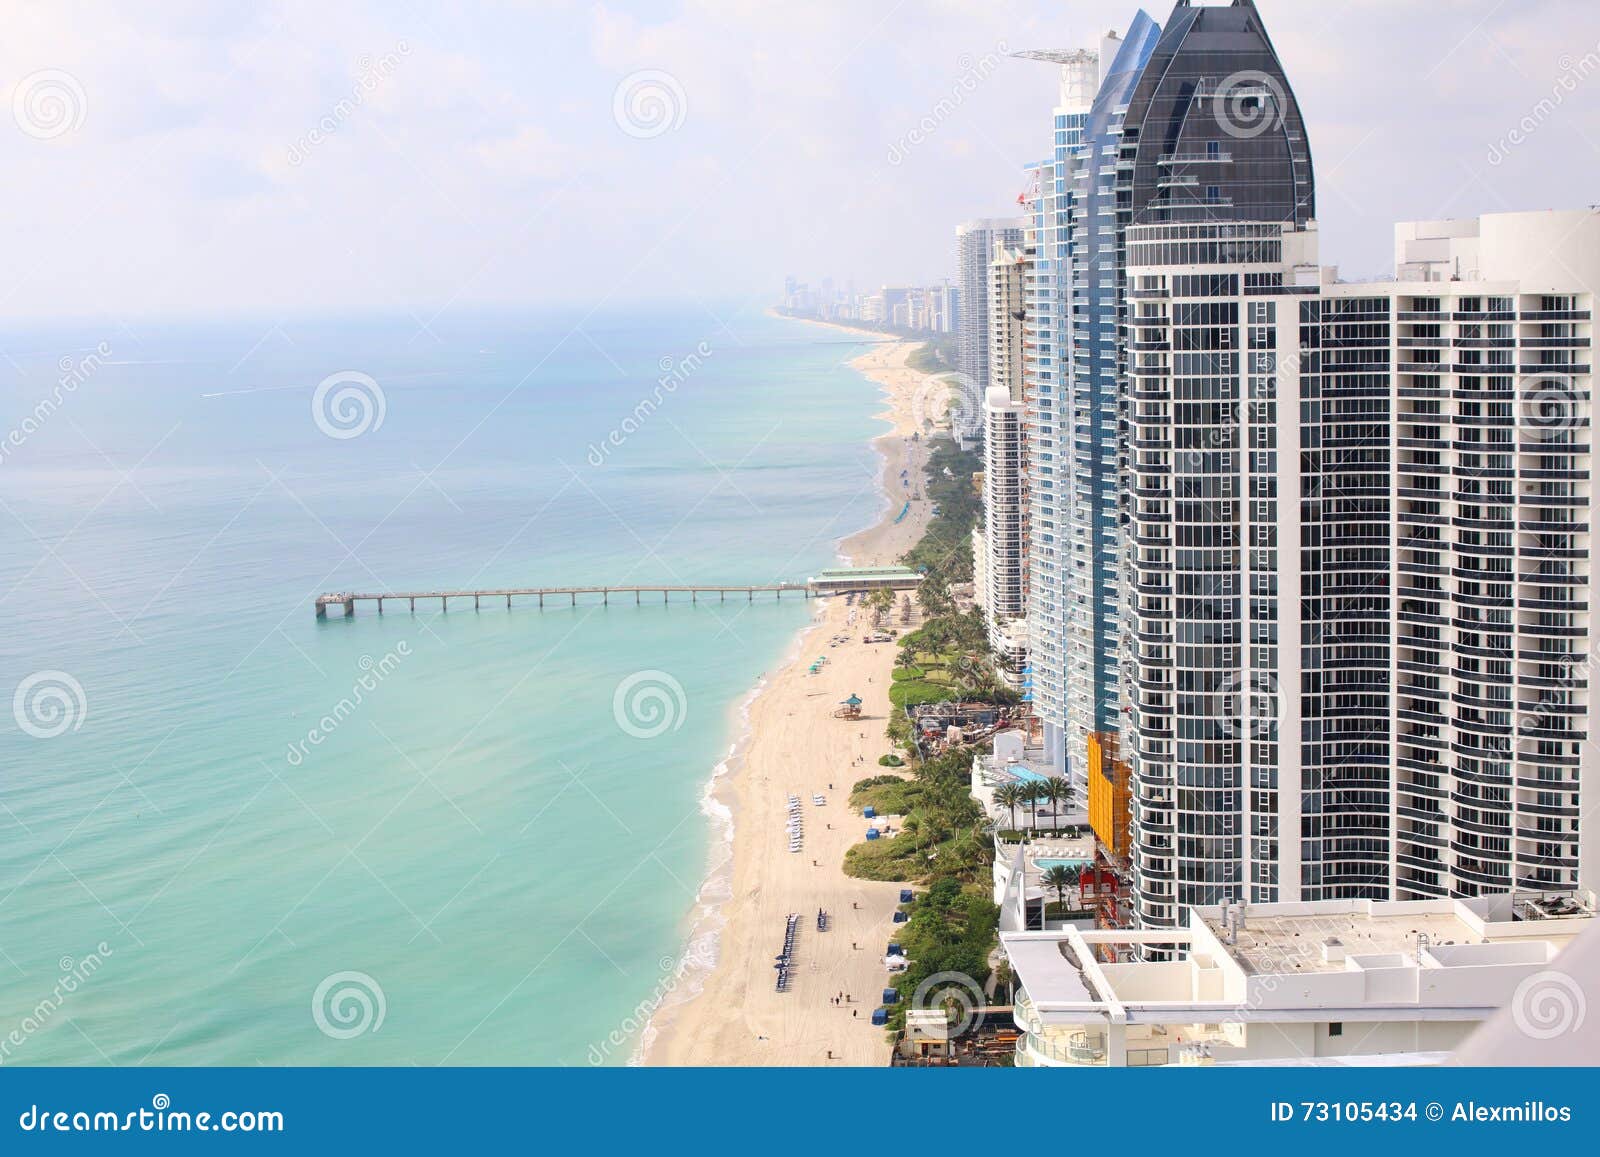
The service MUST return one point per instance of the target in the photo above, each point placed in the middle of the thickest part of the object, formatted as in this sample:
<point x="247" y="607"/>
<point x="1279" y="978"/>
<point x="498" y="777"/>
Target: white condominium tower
<point x="1359" y="564"/>
<point x="1004" y="540"/>
<point x="1007" y="275"/>
<point x="975" y="245"/>
<point x="1004" y="564"/>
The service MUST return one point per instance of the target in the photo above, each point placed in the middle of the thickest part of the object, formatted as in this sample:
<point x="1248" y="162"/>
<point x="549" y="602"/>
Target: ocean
<point x="235" y="834"/>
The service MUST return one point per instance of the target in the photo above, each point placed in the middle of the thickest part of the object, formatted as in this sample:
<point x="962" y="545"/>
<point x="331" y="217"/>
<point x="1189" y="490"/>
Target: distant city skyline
<point x="289" y="160"/>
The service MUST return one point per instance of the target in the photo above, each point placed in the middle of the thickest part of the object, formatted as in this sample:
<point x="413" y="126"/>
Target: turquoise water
<point x="244" y="805"/>
<point x="1073" y="865"/>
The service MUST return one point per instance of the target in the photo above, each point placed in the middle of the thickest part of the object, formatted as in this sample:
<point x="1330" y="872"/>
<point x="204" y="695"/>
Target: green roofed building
<point x="840" y="579"/>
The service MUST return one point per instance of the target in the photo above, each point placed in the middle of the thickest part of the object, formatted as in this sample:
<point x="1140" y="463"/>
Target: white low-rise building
<point x="1335" y="982"/>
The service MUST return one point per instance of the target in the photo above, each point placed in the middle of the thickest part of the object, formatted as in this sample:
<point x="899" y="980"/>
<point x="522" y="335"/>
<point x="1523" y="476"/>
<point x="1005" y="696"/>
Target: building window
<point x="1336" y="1028"/>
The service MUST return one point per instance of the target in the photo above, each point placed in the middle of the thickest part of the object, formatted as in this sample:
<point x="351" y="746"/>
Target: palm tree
<point x="1059" y="877"/>
<point x="934" y="595"/>
<point x="1009" y="795"/>
<point x="1032" y="793"/>
<point x="1059" y="792"/>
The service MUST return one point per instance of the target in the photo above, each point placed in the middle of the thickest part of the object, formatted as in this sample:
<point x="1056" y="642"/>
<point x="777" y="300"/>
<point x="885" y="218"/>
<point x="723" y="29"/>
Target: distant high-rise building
<point x="1008" y="269"/>
<point x="1004" y="542"/>
<point x="975" y="242"/>
<point x="1003" y="551"/>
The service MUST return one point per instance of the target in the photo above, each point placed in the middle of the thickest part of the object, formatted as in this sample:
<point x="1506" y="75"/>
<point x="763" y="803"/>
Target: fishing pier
<point x="838" y="581"/>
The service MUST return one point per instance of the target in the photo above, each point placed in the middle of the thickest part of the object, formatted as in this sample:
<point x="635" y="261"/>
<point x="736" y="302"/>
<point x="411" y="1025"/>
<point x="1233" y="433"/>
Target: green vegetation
<point x="890" y="760"/>
<point x="946" y="658"/>
<point x="1060" y="877"/>
<point x="933" y="357"/>
<point x="941" y="834"/>
<point x="944" y="552"/>
<point x="1056" y="790"/>
<point x="938" y="353"/>
<point x="889" y="794"/>
<point x="951" y="929"/>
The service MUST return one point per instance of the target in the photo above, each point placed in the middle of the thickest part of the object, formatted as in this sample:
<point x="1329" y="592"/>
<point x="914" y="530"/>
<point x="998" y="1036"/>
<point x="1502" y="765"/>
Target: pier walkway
<point x="347" y="600"/>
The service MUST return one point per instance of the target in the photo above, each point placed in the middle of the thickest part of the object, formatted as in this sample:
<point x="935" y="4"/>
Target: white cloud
<point x="492" y="149"/>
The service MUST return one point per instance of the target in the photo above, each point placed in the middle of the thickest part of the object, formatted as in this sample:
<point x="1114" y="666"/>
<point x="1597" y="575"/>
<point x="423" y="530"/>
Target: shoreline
<point x="723" y="1008"/>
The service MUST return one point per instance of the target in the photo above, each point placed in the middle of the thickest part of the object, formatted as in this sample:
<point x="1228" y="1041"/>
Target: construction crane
<point x="1059" y="55"/>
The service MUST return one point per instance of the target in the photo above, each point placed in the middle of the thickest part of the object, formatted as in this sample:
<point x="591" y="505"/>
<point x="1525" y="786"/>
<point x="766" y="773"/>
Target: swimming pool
<point x="1025" y="773"/>
<point x="1070" y="865"/>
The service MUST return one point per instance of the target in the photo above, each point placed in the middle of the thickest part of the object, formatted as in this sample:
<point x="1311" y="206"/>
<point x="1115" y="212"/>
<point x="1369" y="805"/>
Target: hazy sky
<point x="176" y="158"/>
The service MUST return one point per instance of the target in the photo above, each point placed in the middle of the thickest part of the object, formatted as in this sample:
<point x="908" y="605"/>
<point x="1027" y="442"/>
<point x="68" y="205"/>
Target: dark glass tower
<point x="1213" y="132"/>
<point x="1214" y="180"/>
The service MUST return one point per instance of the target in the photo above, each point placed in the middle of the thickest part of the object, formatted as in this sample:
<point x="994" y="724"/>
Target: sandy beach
<point x="796" y="747"/>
